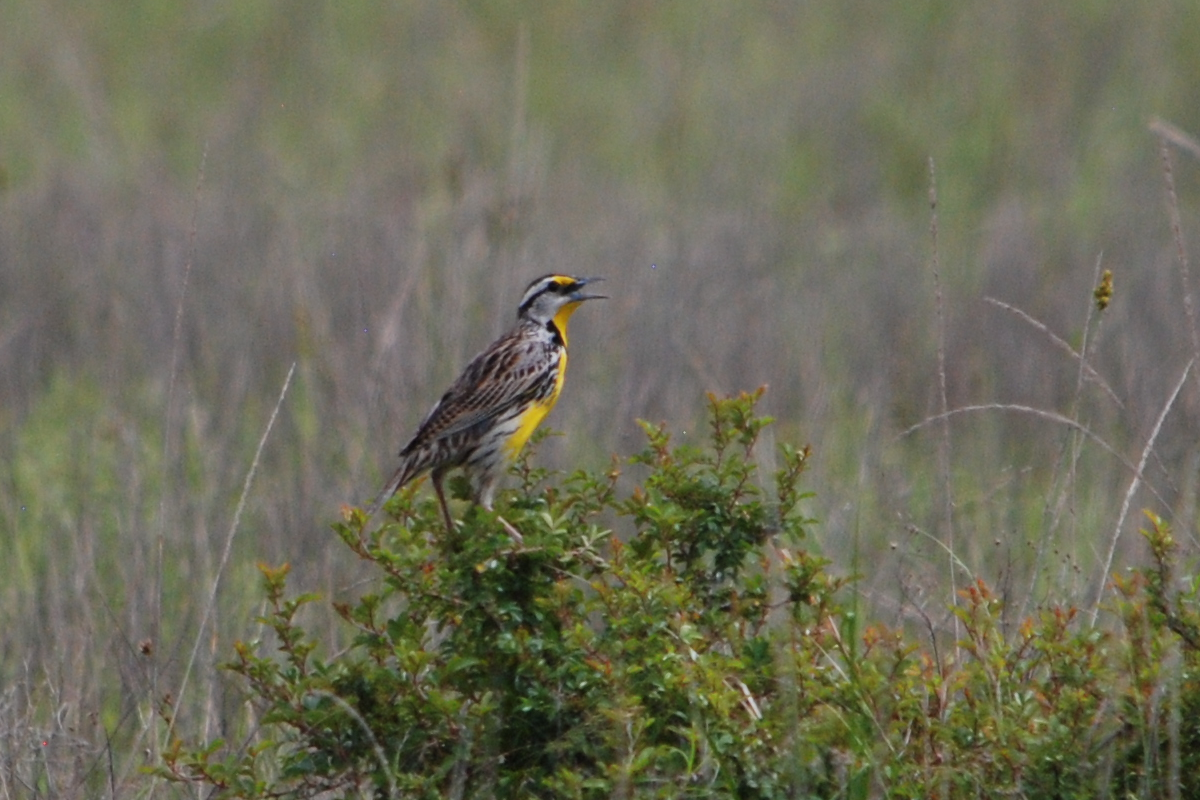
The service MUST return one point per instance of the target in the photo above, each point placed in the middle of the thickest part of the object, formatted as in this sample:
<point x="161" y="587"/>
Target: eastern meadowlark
<point x="484" y="419"/>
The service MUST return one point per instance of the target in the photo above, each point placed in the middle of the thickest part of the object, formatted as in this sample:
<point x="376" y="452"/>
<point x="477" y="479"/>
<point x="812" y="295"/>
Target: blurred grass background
<point x="363" y="189"/>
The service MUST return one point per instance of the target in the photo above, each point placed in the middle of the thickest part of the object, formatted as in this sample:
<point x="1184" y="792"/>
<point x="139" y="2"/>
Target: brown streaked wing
<point x="492" y="382"/>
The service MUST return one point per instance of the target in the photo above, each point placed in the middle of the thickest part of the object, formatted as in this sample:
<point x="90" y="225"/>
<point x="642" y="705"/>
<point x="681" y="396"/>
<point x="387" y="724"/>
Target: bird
<point x="487" y="415"/>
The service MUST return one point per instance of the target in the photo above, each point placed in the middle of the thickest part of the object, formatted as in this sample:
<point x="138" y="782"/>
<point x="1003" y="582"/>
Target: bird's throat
<point x="561" y="318"/>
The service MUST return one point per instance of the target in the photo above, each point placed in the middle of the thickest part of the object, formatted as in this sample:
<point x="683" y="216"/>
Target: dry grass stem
<point x="170" y="427"/>
<point x="1072" y="447"/>
<point x="1168" y="132"/>
<point x="211" y="601"/>
<point x="1133" y="487"/>
<point x="1189" y="306"/>
<point x="1088" y="371"/>
<point x="1047" y="415"/>
<point x="944" y="450"/>
<point x="954" y="558"/>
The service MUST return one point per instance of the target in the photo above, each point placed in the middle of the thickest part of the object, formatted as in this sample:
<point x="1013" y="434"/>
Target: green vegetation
<point x="206" y="208"/>
<point x="698" y="650"/>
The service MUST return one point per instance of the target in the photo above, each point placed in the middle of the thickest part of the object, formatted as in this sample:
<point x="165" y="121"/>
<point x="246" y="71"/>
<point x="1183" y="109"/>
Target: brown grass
<point x="149" y="313"/>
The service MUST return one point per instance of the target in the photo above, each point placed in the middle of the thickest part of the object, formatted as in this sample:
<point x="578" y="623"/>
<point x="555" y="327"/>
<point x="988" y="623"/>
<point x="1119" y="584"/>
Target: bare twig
<point x="1133" y="487"/>
<point x="380" y="756"/>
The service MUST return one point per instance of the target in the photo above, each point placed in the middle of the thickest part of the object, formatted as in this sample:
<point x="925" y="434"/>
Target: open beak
<point x="579" y="295"/>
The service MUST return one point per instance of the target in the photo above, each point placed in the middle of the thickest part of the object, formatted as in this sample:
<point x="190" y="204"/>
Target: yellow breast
<point x="533" y="416"/>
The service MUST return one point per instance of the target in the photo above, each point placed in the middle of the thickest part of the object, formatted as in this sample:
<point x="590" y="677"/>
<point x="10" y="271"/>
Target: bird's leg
<point x="485" y="494"/>
<point x="436" y="478"/>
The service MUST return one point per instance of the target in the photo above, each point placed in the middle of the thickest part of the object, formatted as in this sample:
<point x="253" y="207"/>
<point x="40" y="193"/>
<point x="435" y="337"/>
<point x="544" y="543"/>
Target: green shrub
<point x="700" y="652"/>
<point x="576" y="664"/>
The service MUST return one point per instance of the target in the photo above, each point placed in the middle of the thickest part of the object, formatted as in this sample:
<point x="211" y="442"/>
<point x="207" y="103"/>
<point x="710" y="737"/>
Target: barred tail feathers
<point x="403" y="475"/>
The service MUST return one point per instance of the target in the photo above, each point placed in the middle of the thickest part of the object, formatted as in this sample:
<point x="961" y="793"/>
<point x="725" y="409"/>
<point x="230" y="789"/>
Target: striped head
<point x="551" y="299"/>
